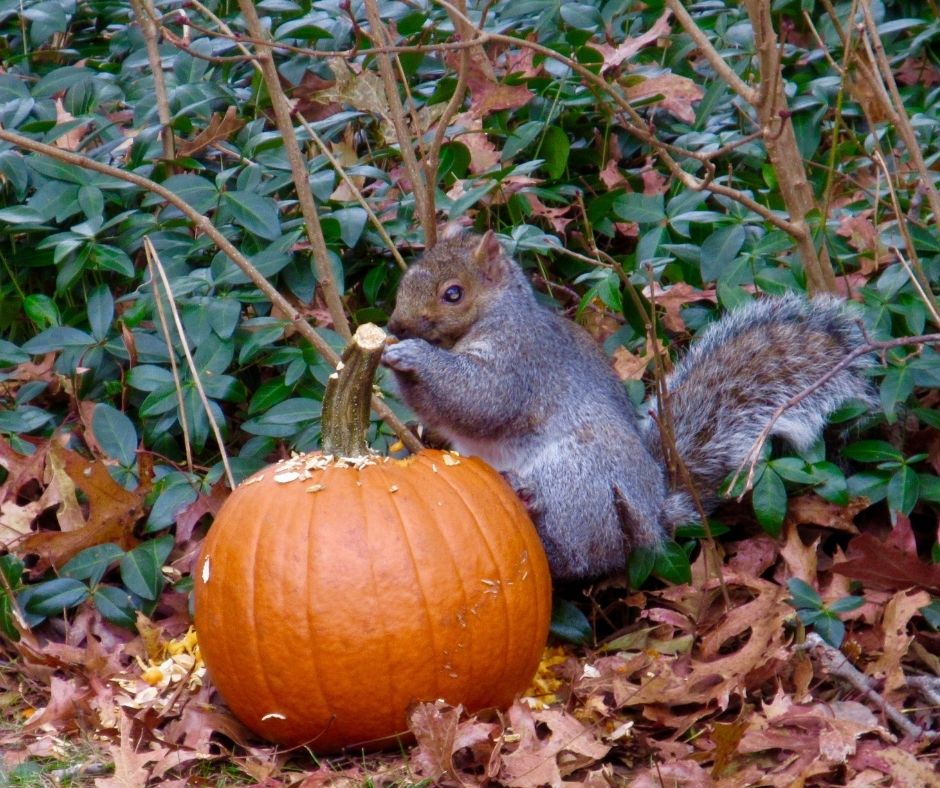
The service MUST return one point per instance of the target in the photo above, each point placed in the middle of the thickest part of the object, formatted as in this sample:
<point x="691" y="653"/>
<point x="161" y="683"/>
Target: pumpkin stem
<point x="347" y="401"/>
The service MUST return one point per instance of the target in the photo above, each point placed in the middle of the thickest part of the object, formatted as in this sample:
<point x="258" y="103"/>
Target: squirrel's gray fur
<point x="530" y="392"/>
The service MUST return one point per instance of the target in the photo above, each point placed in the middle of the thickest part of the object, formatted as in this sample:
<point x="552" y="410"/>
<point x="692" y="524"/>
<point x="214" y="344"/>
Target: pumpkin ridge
<point x="367" y="510"/>
<point x="251" y="613"/>
<point x="484" y="481"/>
<point x="417" y="496"/>
<point x="313" y="654"/>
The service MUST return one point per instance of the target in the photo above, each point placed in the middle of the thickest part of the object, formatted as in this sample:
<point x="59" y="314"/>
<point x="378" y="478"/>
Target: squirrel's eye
<point x="453" y="294"/>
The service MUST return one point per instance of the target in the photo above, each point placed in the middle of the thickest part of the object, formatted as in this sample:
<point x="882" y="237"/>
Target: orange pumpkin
<point x="331" y="594"/>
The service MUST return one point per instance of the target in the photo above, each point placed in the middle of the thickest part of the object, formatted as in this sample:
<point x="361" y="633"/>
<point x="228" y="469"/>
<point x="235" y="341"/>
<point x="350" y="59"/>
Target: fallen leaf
<point x="884" y="566"/>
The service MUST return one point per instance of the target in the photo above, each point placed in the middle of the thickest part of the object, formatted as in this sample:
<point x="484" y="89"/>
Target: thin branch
<point x="423" y="189"/>
<point x="901" y="121"/>
<point x="836" y="665"/>
<point x="156" y="266"/>
<point x="298" y="164"/>
<point x="204" y="225"/>
<point x="143" y="10"/>
<point x="356" y="193"/>
<point x="456" y="100"/>
<point x="174" y="369"/>
<point x="915" y="270"/>
<point x="727" y="74"/>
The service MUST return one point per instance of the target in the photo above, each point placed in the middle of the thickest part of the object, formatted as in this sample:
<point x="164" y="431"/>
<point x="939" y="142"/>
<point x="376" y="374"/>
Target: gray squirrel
<point x="487" y="367"/>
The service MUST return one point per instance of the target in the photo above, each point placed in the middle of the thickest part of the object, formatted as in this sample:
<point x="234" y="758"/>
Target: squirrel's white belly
<point x="503" y="455"/>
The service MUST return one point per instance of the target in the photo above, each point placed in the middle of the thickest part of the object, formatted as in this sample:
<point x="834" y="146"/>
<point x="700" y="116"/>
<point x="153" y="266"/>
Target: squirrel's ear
<point x="488" y="256"/>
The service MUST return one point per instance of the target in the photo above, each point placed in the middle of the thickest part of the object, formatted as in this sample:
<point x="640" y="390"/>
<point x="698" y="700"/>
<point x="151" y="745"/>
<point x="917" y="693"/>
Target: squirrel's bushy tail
<point x="740" y="370"/>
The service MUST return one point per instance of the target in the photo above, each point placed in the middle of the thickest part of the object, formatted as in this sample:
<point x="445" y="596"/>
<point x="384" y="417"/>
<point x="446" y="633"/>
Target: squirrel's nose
<point x="409" y="329"/>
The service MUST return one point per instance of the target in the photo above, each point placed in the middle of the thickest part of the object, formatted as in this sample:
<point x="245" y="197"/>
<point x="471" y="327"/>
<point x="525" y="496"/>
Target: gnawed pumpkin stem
<point x="348" y="396"/>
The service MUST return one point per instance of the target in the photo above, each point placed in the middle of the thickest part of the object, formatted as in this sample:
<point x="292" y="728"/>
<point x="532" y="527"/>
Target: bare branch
<point x="282" y="113"/>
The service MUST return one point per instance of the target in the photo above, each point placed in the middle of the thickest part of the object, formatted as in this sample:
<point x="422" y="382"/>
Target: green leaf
<point x="115" y="434"/>
<point x="52" y="597"/>
<point x="569" y="623"/>
<point x="100" y="311"/>
<point x="830" y="629"/>
<point x="720" y="249"/>
<point x="521" y="138"/>
<point x="770" y="502"/>
<point x="91" y="563"/>
<point x="847" y="604"/>
<point x="116" y="605"/>
<point x="42" y="310"/>
<point x="896" y="387"/>
<point x="803" y="595"/>
<point x="141" y="567"/>
<point x="831" y="483"/>
<point x="554" y="150"/>
<point x="91" y="201"/>
<point x="872" y="451"/>
<point x="172" y="500"/>
<point x="110" y="258"/>
<point x="672" y="564"/>
<point x="255" y="213"/>
<point x="640" y="565"/>
<point x="903" y="490"/>
<point x="352" y="221"/>
<point x="12" y="569"/>
<point x="640" y="208"/>
<point x="929" y="486"/>
<point x="199" y="192"/>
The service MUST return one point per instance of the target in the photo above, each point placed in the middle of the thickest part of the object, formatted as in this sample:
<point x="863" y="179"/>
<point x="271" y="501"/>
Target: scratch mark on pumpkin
<point x="274" y="715"/>
<point x="205" y="570"/>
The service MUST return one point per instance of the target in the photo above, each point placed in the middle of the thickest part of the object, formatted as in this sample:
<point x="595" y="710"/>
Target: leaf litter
<point x="681" y="689"/>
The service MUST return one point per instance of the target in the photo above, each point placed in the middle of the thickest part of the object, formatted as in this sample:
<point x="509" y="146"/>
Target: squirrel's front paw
<point x="405" y="356"/>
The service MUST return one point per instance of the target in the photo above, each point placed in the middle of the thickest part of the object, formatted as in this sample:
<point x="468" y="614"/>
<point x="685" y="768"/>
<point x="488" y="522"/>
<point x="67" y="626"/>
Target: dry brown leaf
<point x="882" y="565"/>
<point x="677" y="94"/>
<point x="627" y="365"/>
<point x="614" y="56"/>
<point x="800" y="559"/>
<point x="812" y="510"/>
<point x="536" y="761"/>
<point x="218" y="130"/>
<point x="611" y="176"/>
<point x="71" y="140"/>
<point x="130" y="766"/>
<point x="113" y="512"/>
<point x="487" y="94"/>
<point x="484" y="155"/>
<point x="901" y="608"/>
<point x="676" y="297"/>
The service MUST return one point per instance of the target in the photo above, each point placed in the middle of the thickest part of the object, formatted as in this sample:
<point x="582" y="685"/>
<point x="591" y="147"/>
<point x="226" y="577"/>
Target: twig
<point x="753" y="456"/>
<point x="727" y="74"/>
<point x="144" y="11"/>
<point x="423" y="188"/>
<point x="914" y="269"/>
<point x="203" y="224"/>
<point x="456" y="100"/>
<point x="356" y="193"/>
<point x="298" y="164"/>
<point x="835" y="664"/>
<point x="924" y="296"/>
<point x="165" y="330"/>
<point x="153" y="260"/>
<point x="900" y="120"/>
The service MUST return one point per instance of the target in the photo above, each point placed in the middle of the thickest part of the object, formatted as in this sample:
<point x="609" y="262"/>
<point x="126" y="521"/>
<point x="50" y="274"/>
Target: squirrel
<point x="500" y="376"/>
